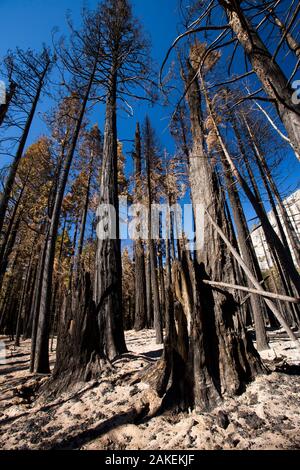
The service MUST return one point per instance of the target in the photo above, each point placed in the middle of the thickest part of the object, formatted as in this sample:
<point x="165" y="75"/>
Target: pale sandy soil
<point x="100" y="415"/>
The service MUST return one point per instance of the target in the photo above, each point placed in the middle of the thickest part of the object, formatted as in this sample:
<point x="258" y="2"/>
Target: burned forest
<point x="150" y="226"/>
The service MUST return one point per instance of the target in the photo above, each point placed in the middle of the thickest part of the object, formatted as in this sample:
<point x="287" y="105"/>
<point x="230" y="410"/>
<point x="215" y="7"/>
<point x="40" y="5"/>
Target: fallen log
<point x="270" y="295"/>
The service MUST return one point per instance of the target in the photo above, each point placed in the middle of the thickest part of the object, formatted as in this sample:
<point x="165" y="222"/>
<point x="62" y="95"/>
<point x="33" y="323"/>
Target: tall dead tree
<point x="125" y="69"/>
<point x="244" y="239"/>
<point x="274" y="82"/>
<point x="41" y="353"/>
<point x="149" y="151"/>
<point x="140" y="318"/>
<point x="248" y="254"/>
<point x="269" y="181"/>
<point x="92" y="146"/>
<point x="32" y="69"/>
<point x="210" y="355"/>
<point x="292" y="43"/>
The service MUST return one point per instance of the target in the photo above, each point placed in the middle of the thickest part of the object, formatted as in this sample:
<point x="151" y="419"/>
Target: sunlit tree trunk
<point x="268" y="71"/>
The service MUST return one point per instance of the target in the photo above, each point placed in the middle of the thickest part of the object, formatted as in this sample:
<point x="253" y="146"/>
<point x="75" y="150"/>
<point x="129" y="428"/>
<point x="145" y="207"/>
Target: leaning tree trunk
<point x="294" y="309"/>
<point x="273" y="239"/>
<point x="289" y="38"/>
<point x="108" y="283"/>
<point x="211" y="355"/>
<point x="4" y="200"/>
<point x="283" y="277"/>
<point x="247" y="252"/>
<point x="9" y="247"/>
<point x="268" y="180"/>
<point x="6" y="236"/>
<point x="273" y="80"/>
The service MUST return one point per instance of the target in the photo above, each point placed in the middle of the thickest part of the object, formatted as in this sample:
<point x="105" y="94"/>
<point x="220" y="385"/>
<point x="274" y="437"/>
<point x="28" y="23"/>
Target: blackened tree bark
<point x="80" y="354"/>
<point x="108" y="287"/>
<point x="247" y="252"/>
<point x="149" y="150"/>
<point x="140" y="318"/>
<point x="162" y="289"/>
<point x="26" y="287"/>
<point x="148" y="289"/>
<point x="9" y="248"/>
<point x="92" y="146"/>
<point x="5" y="238"/>
<point x="84" y="219"/>
<point x="126" y="68"/>
<point x="214" y="356"/>
<point x="41" y="358"/>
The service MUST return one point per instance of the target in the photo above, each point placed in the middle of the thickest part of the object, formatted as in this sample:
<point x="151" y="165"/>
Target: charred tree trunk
<point x="151" y="244"/>
<point x="25" y="290"/>
<point x="5" y="238"/>
<point x="9" y="247"/>
<point x="80" y="353"/>
<point x="84" y="214"/>
<point x="41" y="359"/>
<point x="36" y="304"/>
<point x="162" y="288"/>
<point x="108" y="285"/>
<point x="148" y="290"/>
<point x="247" y="251"/>
<point x="213" y="355"/>
<point x="140" y="317"/>
<point x="72" y="263"/>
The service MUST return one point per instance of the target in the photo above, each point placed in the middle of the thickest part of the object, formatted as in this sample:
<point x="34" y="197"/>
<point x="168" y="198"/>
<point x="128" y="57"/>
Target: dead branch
<point x="271" y="295"/>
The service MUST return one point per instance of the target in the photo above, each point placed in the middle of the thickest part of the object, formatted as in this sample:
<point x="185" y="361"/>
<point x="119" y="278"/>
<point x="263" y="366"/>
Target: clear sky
<point x="29" y="23"/>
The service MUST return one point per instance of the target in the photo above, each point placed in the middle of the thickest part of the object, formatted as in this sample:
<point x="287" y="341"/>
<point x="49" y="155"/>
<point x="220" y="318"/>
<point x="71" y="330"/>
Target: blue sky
<point x="29" y="23"/>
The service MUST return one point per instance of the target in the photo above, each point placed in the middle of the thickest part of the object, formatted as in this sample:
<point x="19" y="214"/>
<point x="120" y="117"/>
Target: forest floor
<point x="100" y="415"/>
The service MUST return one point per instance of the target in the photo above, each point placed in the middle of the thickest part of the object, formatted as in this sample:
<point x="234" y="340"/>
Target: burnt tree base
<point x="79" y="355"/>
<point x="208" y="355"/>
